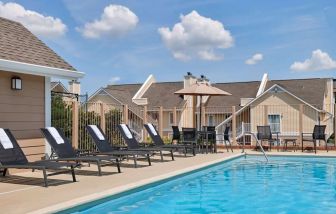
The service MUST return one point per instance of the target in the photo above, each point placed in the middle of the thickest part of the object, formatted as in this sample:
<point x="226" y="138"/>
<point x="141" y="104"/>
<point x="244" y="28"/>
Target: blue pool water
<point x="244" y="185"/>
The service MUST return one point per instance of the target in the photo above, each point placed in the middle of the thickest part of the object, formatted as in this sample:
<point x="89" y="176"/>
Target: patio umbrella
<point x="202" y="89"/>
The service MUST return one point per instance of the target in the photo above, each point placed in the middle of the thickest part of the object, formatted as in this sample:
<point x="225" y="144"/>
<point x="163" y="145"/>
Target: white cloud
<point x="114" y="80"/>
<point x="115" y="21"/>
<point x="254" y="59"/>
<point x="44" y="26"/>
<point x="319" y="61"/>
<point x="196" y="37"/>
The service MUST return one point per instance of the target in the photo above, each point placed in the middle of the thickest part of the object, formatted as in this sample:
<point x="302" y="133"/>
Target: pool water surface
<point x="243" y="185"/>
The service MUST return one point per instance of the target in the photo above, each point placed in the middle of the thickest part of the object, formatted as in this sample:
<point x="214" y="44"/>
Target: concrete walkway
<point x="24" y="192"/>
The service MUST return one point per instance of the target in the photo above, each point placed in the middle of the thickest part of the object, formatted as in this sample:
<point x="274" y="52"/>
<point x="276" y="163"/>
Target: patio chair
<point x="104" y="147"/>
<point x="226" y="139"/>
<point x="133" y="144"/>
<point x="153" y="133"/>
<point x="265" y="135"/>
<point x="176" y="134"/>
<point x="209" y="134"/>
<point x="317" y="135"/>
<point x="12" y="157"/>
<point x="61" y="146"/>
<point x="189" y="136"/>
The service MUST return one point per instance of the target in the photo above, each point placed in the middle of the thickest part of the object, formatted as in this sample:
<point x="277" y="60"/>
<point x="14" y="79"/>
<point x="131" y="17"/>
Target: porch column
<point x="203" y="123"/>
<point x="161" y="121"/>
<point x="125" y="117"/>
<point x="174" y="116"/>
<point x="47" y="111"/>
<point x="265" y="116"/>
<point x="145" y="121"/>
<point x="300" y="123"/>
<point x="234" y="126"/>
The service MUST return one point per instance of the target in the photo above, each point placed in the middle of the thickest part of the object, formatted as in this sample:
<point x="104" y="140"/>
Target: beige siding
<point x="288" y="108"/>
<point x="22" y="111"/>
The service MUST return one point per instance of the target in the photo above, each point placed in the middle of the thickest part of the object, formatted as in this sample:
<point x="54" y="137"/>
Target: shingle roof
<point x="237" y="89"/>
<point x="124" y="93"/>
<point x="309" y="90"/>
<point x="17" y="43"/>
<point x="162" y="94"/>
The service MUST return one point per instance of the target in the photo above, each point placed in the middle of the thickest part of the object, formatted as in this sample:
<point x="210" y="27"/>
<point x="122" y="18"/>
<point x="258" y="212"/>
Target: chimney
<point x="74" y="87"/>
<point x="203" y="78"/>
<point x="189" y="79"/>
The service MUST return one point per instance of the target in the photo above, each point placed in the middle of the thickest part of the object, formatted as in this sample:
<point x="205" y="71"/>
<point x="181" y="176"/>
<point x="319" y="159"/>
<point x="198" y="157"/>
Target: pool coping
<point x="131" y="186"/>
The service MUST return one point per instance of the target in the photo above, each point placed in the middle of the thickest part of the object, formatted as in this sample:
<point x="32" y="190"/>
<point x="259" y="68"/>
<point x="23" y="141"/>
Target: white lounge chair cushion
<point x="152" y="129"/>
<point x="4" y="140"/>
<point x="54" y="133"/>
<point x="126" y="131"/>
<point x="97" y="132"/>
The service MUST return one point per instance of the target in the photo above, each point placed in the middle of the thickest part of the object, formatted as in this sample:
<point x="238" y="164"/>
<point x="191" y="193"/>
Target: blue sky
<point x="279" y="33"/>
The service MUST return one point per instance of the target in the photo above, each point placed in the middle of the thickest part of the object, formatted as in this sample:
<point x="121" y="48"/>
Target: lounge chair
<point x="104" y="147"/>
<point x="318" y="134"/>
<point x="12" y="157"/>
<point x="153" y="133"/>
<point x="133" y="144"/>
<point x="265" y="135"/>
<point x="62" y="148"/>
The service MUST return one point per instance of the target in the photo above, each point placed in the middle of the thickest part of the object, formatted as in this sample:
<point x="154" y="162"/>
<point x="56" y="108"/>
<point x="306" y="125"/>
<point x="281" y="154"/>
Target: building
<point x="26" y="68"/>
<point x="278" y="103"/>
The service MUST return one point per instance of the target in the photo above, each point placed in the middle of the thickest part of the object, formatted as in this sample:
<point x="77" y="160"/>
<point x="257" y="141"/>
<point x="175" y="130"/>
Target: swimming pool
<point x="243" y="185"/>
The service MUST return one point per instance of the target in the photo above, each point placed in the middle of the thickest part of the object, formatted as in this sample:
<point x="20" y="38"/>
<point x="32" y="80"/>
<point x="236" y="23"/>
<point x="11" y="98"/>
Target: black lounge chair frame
<point x="65" y="152"/>
<point x="133" y="144"/>
<point x="105" y="148"/>
<point x="14" y="158"/>
<point x="157" y="140"/>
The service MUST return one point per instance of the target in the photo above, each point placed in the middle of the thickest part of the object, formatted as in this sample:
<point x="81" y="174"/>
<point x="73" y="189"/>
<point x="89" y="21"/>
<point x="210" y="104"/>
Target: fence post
<point x="265" y="115"/>
<point x="174" y="116"/>
<point x="75" y="125"/>
<point x="145" y="121"/>
<point x="161" y="121"/>
<point x="102" y="117"/>
<point x="234" y="127"/>
<point x="300" y="123"/>
<point x="125" y="118"/>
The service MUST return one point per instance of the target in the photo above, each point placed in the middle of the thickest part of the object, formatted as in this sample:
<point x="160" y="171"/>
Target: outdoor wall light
<point x="16" y="83"/>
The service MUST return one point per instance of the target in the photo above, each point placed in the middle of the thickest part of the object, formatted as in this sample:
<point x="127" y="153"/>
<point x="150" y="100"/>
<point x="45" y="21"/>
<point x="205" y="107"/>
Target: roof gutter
<point x="40" y="70"/>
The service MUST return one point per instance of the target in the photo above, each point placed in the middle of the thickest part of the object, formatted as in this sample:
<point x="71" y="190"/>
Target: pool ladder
<point x="258" y="143"/>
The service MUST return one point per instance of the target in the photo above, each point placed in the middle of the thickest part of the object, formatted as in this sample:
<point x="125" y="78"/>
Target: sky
<point x="117" y="42"/>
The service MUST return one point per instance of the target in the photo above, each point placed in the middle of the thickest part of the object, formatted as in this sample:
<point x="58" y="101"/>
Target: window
<point x="211" y="120"/>
<point x="171" y="118"/>
<point x="274" y="122"/>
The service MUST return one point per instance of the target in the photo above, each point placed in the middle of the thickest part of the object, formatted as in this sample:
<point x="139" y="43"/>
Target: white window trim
<point x="170" y="123"/>
<point x="280" y="117"/>
<point x="210" y="115"/>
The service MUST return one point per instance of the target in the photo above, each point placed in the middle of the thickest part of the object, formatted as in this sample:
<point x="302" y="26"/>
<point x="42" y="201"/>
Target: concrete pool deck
<point x="24" y="192"/>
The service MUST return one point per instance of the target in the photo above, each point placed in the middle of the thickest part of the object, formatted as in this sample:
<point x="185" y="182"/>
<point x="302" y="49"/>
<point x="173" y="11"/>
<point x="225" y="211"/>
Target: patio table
<point x="204" y="137"/>
<point x="289" y="140"/>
